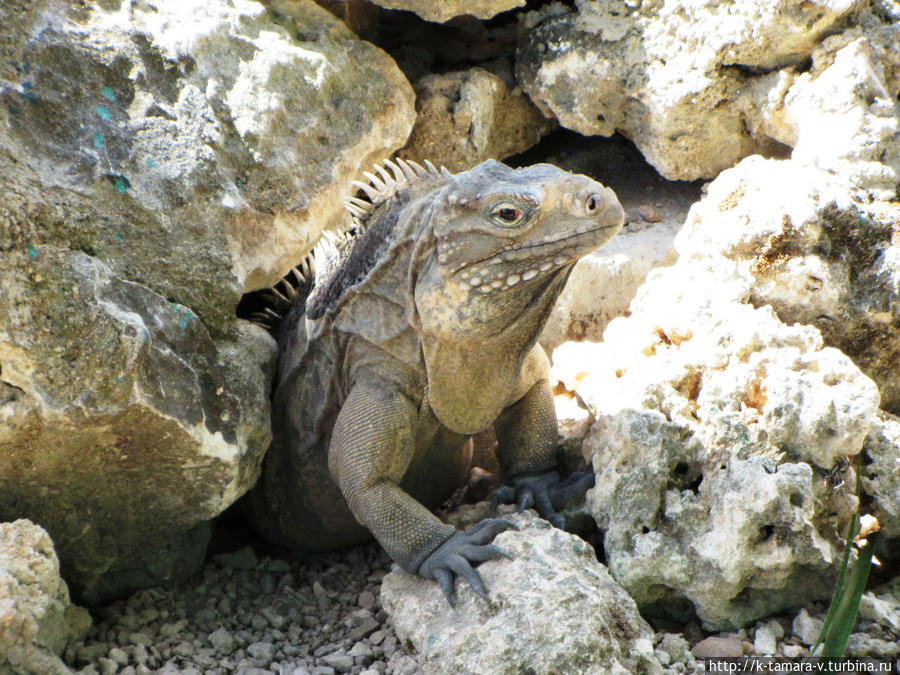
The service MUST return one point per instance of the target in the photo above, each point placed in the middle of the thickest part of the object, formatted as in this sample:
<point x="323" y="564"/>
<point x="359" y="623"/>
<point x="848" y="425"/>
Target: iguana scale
<point x="417" y="332"/>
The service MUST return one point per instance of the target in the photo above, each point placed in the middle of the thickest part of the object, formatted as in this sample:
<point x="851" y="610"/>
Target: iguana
<point x="419" y="330"/>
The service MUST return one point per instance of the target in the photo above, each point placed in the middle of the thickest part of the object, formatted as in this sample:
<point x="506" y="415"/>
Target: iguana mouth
<point x="514" y="254"/>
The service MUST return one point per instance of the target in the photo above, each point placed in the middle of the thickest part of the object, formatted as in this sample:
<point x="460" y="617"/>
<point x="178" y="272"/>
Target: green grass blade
<point x="835" y="642"/>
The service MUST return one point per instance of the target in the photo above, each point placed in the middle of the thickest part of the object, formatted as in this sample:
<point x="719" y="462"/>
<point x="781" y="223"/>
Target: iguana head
<point x="506" y="237"/>
<point x="502" y="244"/>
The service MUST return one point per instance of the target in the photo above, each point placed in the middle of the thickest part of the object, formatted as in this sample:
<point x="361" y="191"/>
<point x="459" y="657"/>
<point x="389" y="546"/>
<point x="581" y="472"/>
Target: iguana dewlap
<point x="417" y="332"/>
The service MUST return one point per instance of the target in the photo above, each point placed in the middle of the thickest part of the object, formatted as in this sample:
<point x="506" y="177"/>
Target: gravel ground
<point x="321" y="614"/>
<point x="318" y="615"/>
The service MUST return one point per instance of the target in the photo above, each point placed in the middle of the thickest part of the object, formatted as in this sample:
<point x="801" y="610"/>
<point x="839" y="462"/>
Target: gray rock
<point x="718" y="647"/>
<point x="764" y="642"/>
<point x="580" y="620"/>
<point x="880" y="478"/>
<point x="806" y="627"/>
<point x="718" y="421"/>
<point x="36" y="618"/>
<point x="222" y="641"/>
<point x="263" y="651"/>
<point x="124" y="367"/>
<point x="699" y="90"/>
<point x="340" y="661"/>
<point x="862" y="645"/>
<point x="675" y="646"/>
<point x="189" y="152"/>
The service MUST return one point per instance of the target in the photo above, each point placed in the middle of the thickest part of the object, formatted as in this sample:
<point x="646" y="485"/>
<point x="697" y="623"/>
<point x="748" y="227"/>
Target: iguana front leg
<point x="371" y="447"/>
<point x="526" y="434"/>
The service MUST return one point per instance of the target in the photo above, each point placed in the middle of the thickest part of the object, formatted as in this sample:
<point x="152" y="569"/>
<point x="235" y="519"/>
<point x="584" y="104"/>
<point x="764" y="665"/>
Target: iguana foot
<point x="545" y="491"/>
<point x="464" y="550"/>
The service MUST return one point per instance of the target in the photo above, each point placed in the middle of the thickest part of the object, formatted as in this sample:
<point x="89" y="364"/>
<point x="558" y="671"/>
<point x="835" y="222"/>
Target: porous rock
<point x="444" y="10"/>
<point x="716" y="426"/>
<point x="124" y="426"/>
<point x="466" y="117"/>
<point x="816" y="250"/>
<point x="216" y="137"/>
<point x="881" y="473"/>
<point x="554" y="608"/>
<point x="37" y="620"/>
<point x="699" y="86"/>
<point x="840" y="114"/>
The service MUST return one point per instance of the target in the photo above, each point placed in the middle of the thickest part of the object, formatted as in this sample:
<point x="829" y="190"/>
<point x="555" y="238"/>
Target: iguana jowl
<point x="419" y="332"/>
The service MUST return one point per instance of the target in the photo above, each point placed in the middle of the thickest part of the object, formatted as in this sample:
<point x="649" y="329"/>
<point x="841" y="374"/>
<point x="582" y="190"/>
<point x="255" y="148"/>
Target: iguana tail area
<point x="400" y="339"/>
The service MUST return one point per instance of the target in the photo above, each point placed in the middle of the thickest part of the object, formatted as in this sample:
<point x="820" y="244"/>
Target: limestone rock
<point x="603" y="284"/>
<point x="716" y="426"/>
<point x="698" y="86"/>
<point x="553" y="608"/>
<point x="37" y="620"/>
<point x="815" y="251"/>
<point x="469" y="116"/>
<point x="842" y="114"/>
<point x="124" y="426"/>
<point x="210" y="136"/>
<point x="881" y="473"/>
<point x="444" y="10"/>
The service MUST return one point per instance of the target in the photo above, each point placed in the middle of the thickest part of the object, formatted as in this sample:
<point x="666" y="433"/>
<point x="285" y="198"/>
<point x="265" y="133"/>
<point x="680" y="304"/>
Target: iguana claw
<point x="455" y="557"/>
<point x="545" y="491"/>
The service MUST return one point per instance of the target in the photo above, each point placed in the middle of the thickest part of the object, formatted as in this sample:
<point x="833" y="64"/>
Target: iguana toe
<point x="544" y="491"/>
<point x="459" y="555"/>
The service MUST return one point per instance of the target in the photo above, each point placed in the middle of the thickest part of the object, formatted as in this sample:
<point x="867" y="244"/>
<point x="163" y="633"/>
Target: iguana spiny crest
<point x="494" y="229"/>
<point x="419" y="329"/>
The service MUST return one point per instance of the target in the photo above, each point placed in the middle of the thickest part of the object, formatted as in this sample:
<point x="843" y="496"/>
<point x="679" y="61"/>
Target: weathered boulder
<point x="553" y="608"/>
<point x="881" y="473"/>
<point x="158" y="159"/>
<point x="469" y="116"/>
<point x="841" y="114"/>
<point x="717" y="425"/>
<point x="124" y="426"/>
<point x="603" y="284"/>
<point x="37" y="620"/>
<point x="699" y="86"/>
<point x="215" y="137"/>
<point x="444" y="10"/>
<point x="814" y="250"/>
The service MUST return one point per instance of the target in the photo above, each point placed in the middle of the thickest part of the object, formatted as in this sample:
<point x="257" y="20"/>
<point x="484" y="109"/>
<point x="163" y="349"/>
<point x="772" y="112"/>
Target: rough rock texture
<point x="123" y="424"/>
<point x="815" y="251"/>
<point x="716" y="425"/>
<point x="881" y="474"/>
<point x="158" y="160"/>
<point x="603" y="284"/>
<point x="842" y="113"/>
<point x="698" y="86"/>
<point x="211" y="136"/>
<point x="554" y="608"/>
<point x="469" y="116"/>
<point x="36" y="619"/>
<point x="444" y="10"/>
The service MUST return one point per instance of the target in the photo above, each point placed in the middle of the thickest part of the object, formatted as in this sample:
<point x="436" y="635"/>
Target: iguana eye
<point x="506" y="214"/>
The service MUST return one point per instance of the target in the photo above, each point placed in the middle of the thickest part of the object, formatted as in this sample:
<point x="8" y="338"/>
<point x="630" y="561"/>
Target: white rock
<point x="806" y="627"/>
<point x="36" y="617"/>
<point x="764" y="642"/>
<point x="553" y="608"/>
<point x="698" y="86"/>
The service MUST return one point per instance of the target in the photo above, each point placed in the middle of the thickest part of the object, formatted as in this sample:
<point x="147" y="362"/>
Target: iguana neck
<point x="472" y="373"/>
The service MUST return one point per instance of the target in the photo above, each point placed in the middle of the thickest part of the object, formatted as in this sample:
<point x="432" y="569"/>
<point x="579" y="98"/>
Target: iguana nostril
<point x="592" y="204"/>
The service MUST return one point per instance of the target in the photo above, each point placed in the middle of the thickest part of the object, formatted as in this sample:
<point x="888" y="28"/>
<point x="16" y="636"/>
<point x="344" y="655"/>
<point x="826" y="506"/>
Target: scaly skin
<point x="434" y="341"/>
